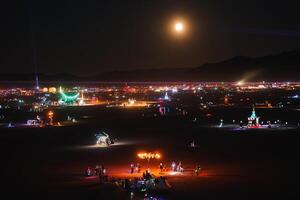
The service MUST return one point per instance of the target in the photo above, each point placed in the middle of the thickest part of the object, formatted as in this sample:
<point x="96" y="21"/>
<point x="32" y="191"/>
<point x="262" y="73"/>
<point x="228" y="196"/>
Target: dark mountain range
<point x="280" y="67"/>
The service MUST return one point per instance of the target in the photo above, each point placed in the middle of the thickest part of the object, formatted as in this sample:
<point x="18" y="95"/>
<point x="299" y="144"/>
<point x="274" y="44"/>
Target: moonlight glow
<point x="179" y="27"/>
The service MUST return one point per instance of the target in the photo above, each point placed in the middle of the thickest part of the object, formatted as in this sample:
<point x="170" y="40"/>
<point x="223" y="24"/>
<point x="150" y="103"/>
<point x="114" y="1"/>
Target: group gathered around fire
<point x="147" y="181"/>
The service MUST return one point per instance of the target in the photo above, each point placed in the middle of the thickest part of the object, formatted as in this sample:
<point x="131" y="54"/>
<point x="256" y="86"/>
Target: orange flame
<point x="149" y="155"/>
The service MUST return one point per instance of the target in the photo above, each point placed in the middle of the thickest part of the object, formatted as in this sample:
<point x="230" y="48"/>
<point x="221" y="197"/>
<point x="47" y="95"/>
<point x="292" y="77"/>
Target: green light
<point x="67" y="98"/>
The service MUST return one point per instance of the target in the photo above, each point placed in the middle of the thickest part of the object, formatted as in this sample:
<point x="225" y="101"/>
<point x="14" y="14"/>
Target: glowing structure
<point x="131" y="101"/>
<point x="103" y="139"/>
<point x="37" y="86"/>
<point x="226" y="99"/>
<point x="52" y="90"/>
<point x="67" y="99"/>
<point x="10" y="125"/>
<point x="253" y="120"/>
<point x="221" y="123"/>
<point x="35" y="122"/>
<point x="49" y="90"/>
<point x="81" y="101"/>
<point x="166" y="97"/>
<point x="50" y="116"/>
<point x="174" y="90"/>
<point x="162" y="111"/>
<point x="149" y="155"/>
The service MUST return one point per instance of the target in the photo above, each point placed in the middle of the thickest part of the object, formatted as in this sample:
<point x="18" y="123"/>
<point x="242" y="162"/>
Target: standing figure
<point x="173" y="166"/>
<point x="88" y="172"/>
<point x="97" y="170"/>
<point x="103" y="171"/>
<point x="131" y="168"/>
<point x="100" y="174"/>
<point x="179" y="167"/>
<point x="197" y="170"/>
<point x="193" y="144"/>
<point x="161" y="167"/>
<point x="138" y="168"/>
<point x="104" y="174"/>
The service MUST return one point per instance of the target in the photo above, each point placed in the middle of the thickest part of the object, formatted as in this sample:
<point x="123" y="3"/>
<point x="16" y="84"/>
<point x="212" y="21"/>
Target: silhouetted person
<point x="197" y="170"/>
<point x="161" y="167"/>
<point x="138" y="168"/>
<point x="88" y="172"/>
<point x="173" y="166"/>
<point x="131" y="168"/>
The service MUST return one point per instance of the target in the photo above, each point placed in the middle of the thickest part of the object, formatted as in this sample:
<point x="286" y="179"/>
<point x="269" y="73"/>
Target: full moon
<point x="179" y="27"/>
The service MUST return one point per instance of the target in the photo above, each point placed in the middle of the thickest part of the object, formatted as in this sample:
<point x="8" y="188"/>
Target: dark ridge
<point x="281" y="67"/>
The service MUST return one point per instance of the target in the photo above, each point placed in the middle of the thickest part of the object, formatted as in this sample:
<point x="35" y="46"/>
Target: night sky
<point x="87" y="37"/>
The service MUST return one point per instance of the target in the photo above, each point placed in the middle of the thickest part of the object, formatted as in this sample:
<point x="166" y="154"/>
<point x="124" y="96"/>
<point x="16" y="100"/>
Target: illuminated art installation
<point x="253" y="120"/>
<point x="67" y="99"/>
<point x="149" y="156"/>
<point x="166" y="97"/>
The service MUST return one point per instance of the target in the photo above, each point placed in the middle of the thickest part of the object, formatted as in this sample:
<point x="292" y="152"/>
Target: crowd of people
<point x="135" y="168"/>
<point x="177" y="167"/>
<point x="198" y="170"/>
<point x="147" y="182"/>
<point x="99" y="171"/>
<point x="142" y="184"/>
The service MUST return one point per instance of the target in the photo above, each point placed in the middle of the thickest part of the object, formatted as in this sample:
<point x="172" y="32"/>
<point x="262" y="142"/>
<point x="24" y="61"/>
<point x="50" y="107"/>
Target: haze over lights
<point x="240" y="83"/>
